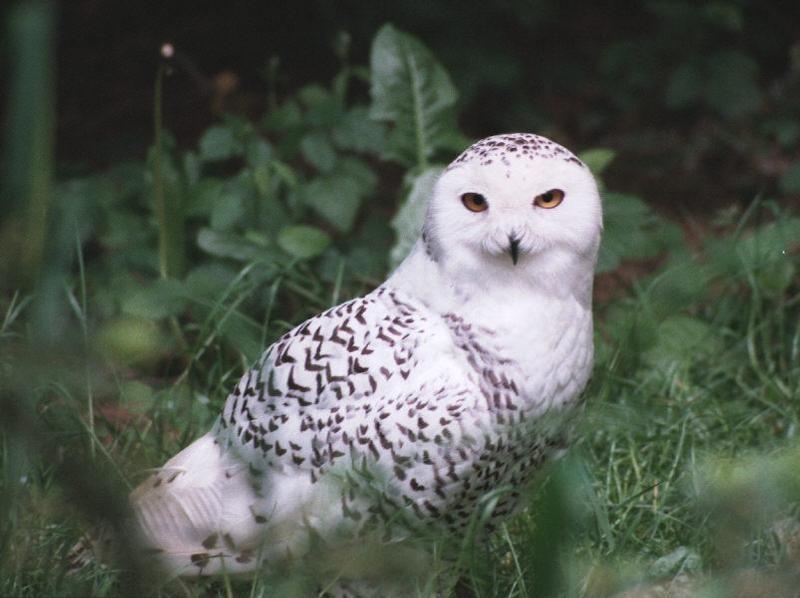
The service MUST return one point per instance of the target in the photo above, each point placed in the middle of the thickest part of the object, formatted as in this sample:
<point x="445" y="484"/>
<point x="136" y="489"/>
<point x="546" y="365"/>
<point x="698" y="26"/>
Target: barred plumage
<point x="398" y="410"/>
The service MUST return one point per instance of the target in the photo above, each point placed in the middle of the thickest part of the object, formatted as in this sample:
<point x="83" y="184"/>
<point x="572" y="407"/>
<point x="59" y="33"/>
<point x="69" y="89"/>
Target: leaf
<point x="218" y="143"/>
<point x="286" y="116"/>
<point x="356" y="131"/>
<point x="318" y="151"/>
<point x="209" y="280"/>
<point x="682" y="339"/>
<point x="303" y="242"/>
<point x="413" y="91"/>
<point x="765" y="253"/>
<point x="136" y="396"/>
<point x="597" y="159"/>
<point x="633" y="231"/>
<point x="258" y="153"/>
<point x="678" y="286"/>
<point x="230" y="245"/>
<point x="228" y="209"/>
<point x="131" y="341"/>
<point x="336" y="198"/>
<point x="162" y="299"/>
<point x="732" y="87"/>
<point x="407" y="223"/>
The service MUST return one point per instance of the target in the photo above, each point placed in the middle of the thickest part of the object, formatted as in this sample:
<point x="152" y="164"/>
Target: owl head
<point x="518" y="206"/>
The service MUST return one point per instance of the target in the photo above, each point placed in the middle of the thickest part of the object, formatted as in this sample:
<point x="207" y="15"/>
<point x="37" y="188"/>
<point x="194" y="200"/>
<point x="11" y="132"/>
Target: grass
<point x="683" y="470"/>
<point x="646" y="495"/>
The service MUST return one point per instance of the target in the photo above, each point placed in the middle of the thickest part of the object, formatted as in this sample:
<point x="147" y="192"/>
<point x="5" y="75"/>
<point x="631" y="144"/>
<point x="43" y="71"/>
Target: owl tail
<point x="195" y="516"/>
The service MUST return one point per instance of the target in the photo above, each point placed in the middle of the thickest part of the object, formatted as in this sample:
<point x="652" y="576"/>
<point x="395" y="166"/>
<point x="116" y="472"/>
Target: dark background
<point x="694" y="96"/>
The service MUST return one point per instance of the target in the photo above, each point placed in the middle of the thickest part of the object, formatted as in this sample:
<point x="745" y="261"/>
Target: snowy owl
<point x="399" y="410"/>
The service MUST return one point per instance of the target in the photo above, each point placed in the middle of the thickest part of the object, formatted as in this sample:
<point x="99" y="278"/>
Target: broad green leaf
<point x="597" y="159"/>
<point x="413" y="91"/>
<point x="285" y="173"/>
<point x="287" y="116"/>
<point x="356" y="131"/>
<point x="258" y="152"/>
<point x="209" y="280"/>
<point x="680" y="284"/>
<point x="218" y="143"/>
<point x="318" y="151"/>
<point x="161" y="299"/>
<point x="136" y="396"/>
<point x="202" y="198"/>
<point x="302" y="241"/>
<point x="682" y="339"/>
<point x="324" y="108"/>
<point x="732" y="87"/>
<point x="230" y="245"/>
<point x="768" y="243"/>
<point x="633" y="231"/>
<point x="228" y="208"/>
<point x="336" y="198"/>
<point x="407" y="223"/>
<point x="132" y="341"/>
<point x="358" y="170"/>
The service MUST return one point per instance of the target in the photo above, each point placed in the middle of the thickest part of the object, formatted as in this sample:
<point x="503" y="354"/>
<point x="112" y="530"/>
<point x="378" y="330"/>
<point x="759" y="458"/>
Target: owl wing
<point x="347" y="378"/>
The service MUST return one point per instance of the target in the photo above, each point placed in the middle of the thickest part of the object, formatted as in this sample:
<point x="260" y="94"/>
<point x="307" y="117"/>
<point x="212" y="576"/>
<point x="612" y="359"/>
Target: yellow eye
<point x="474" y="202"/>
<point x="550" y="199"/>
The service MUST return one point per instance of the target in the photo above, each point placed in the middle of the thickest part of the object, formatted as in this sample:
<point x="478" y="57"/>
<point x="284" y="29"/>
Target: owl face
<point x="515" y="204"/>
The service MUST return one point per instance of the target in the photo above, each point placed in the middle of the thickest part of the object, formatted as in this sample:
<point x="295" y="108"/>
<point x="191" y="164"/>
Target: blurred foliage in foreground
<point x="133" y="299"/>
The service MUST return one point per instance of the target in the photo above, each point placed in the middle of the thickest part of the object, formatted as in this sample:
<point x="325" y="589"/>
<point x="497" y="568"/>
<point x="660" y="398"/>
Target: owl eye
<point x="549" y="199"/>
<point x="474" y="202"/>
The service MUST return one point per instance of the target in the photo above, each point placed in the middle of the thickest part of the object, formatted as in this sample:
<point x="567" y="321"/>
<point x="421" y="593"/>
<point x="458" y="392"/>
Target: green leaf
<point x="164" y="298"/>
<point x="285" y="173"/>
<point x="324" y="109"/>
<point x="356" y="131"/>
<point x="766" y="254"/>
<point x="682" y="339"/>
<point x="318" y="151"/>
<point x="357" y="170"/>
<point x="732" y="87"/>
<point x="407" y="223"/>
<point x="230" y="245"/>
<point x="597" y="159"/>
<point x="228" y="208"/>
<point x="286" y="116"/>
<point x="413" y="91"/>
<point x="258" y="153"/>
<point x="336" y="198"/>
<point x="679" y="285"/>
<point x="136" y="396"/>
<point x="131" y="341"/>
<point x="302" y="241"/>
<point x="633" y="231"/>
<point x="203" y="197"/>
<point x="218" y="143"/>
<point x="209" y="280"/>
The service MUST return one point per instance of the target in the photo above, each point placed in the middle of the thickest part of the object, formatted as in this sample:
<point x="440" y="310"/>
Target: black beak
<point x="513" y="249"/>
